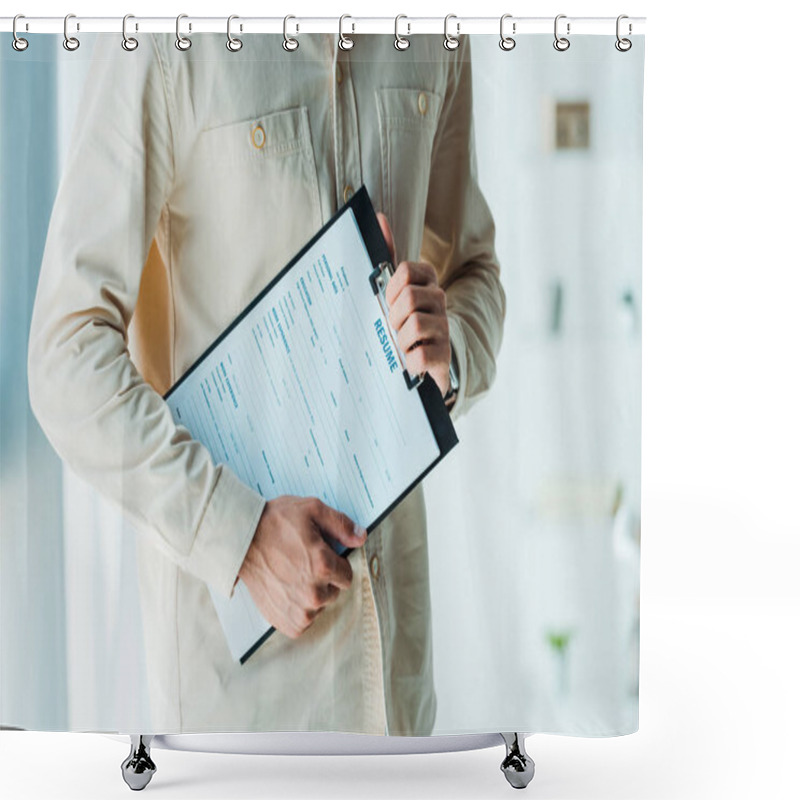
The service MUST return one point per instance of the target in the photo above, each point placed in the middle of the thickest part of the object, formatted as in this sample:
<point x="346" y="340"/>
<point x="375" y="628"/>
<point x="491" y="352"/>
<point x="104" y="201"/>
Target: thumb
<point x="386" y="230"/>
<point x="339" y="526"/>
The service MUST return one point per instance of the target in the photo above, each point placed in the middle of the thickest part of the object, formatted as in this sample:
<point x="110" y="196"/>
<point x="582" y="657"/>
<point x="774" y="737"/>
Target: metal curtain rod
<point x="409" y="25"/>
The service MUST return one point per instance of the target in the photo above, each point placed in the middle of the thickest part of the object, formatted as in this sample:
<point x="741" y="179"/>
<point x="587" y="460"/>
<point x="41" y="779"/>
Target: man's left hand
<point x="417" y="311"/>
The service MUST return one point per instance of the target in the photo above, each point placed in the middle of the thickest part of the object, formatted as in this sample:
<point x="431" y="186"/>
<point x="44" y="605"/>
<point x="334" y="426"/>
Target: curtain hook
<point x="450" y="42"/>
<point x="561" y="43"/>
<point x="507" y="42"/>
<point x="181" y="42"/>
<point x="345" y="42"/>
<point x="70" y="43"/>
<point x="233" y="44"/>
<point x="18" y="43"/>
<point x="400" y="42"/>
<point x="623" y="45"/>
<point x="129" y="43"/>
<point x="290" y="44"/>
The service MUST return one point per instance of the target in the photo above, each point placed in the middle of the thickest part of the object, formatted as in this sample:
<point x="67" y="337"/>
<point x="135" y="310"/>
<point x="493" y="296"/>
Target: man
<point x="193" y="178"/>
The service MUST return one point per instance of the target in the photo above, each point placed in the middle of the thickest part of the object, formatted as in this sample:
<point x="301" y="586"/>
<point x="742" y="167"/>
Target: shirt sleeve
<point x="458" y="240"/>
<point x="100" y="415"/>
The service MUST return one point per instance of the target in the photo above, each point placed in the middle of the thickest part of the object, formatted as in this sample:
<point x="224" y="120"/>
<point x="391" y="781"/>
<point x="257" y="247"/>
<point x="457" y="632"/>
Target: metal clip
<point x="561" y="43"/>
<point x="70" y="43"/>
<point x="451" y="42"/>
<point x="290" y="44"/>
<point x="18" y="43"/>
<point x="129" y="43"/>
<point x="400" y="42"/>
<point x="507" y="42"/>
<point x="345" y="42"/>
<point x="233" y="44"/>
<point x="181" y="42"/>
<point x="623" y="45"/>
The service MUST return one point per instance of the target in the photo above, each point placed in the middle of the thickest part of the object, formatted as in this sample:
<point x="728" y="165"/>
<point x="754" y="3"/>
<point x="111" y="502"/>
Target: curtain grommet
<point x="129" y="43"/>
<point x="18" y="43"/>
<point x="233" y="44"/>
<point x="345" y="42"/>
<point x="401" y="42"/>
<point x="290" y="44"/>
<point x="623" y="45"/>
<point x="71" y="43"/>
<point x="561" y="43"/>
<point x="182" y="42"/>
<point x="451" y="42"/>
<point x="507" y="42"/>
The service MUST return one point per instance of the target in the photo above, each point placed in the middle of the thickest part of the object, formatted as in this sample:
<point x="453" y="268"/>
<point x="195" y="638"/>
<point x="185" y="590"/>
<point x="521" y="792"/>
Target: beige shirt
<point x="193" y="178"/>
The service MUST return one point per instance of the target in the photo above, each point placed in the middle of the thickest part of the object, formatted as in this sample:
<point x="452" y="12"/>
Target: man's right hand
<point x="291" y="572"/>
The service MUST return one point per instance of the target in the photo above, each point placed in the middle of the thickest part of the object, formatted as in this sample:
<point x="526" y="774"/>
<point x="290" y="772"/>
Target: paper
<point x="305" y="395"/>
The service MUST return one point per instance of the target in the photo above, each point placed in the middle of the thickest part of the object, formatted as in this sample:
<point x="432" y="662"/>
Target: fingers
<point x="299" y="620"/>
<point x="312" y="601"/>
<point x="330" y="567"/>
<point x="418" y="312"/>
<point x="414" y="297"/>
<point x="319" y="596"/>
<point x="421" y="328"/>
<point x="337" y="524"/>
<point x="427" y="358"/>
<point x="410" y="273"/>
<point x="314" y="597"/>
<point x="386" y="230"/>
<point x="334" y="573"/>
<point x="291" y="569"/>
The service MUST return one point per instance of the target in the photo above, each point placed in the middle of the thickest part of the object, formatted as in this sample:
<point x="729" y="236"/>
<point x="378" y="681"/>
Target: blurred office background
<point x="533" y="519"/>
<point x="540" y="500"/>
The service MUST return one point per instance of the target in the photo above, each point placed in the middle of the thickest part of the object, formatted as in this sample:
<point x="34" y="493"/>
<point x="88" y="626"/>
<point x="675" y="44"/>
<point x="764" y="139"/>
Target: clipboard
<point x="239" y="622"/>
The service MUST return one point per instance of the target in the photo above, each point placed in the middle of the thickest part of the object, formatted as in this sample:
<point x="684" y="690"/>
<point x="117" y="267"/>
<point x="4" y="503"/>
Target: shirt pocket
<point x="408" y="119"/>
<point x="255" y="196"/>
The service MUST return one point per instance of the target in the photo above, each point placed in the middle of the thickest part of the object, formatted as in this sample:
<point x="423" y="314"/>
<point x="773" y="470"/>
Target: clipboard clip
<point x="378" y="279"/>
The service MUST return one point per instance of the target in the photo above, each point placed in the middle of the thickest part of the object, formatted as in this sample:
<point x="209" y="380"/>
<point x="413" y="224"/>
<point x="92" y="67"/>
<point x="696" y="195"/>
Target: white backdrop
<point x="720" y="603"/>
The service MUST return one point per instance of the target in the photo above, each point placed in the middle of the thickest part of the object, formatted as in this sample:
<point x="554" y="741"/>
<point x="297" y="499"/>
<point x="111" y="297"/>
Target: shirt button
<point x="348" y="192"/>
<point x="258" y="137"/>
<point x="375" y="566"/>
<point x="422" y="103"/>
<point x="339" y="74"/>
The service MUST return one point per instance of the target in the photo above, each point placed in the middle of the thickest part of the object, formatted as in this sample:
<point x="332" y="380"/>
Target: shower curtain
<point x="148" y="195"/>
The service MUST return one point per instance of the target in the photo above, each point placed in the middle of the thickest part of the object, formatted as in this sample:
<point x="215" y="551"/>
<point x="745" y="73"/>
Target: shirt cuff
<point x="225" y="532"/>
<point x="459" y="346"/>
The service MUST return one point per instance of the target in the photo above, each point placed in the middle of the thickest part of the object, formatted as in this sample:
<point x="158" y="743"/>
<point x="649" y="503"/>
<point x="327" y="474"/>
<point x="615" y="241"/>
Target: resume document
<point x="305" y="395"/>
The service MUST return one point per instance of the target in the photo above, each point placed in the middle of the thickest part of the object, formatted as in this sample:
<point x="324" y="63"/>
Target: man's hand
<point x="291" y="572"/>
<point x="417" y="311"/>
